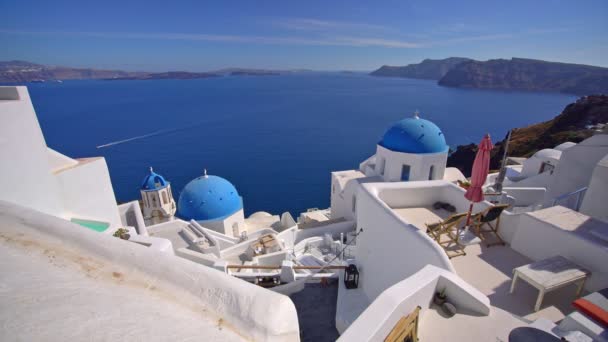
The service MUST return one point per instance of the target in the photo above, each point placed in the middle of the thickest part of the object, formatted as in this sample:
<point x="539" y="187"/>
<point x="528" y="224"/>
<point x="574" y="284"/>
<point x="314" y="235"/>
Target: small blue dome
<point x="208" y="198"/>
<point x="153" y="181"/>
<point x="414" y="135"/>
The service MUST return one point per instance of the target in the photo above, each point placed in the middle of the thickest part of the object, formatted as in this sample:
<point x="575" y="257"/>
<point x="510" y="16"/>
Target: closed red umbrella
<point x="479" y="173"/>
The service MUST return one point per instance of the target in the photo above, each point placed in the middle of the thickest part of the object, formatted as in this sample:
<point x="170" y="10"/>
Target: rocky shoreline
<point x="578" y="121"/>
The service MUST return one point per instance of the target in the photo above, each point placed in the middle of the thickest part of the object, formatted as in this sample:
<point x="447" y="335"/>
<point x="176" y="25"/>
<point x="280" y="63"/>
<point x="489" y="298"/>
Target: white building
<point x="213" y="202"/>
<point x="35" y="176"/>
<point x="157" y="198"/>
<point x="412" y="149"/>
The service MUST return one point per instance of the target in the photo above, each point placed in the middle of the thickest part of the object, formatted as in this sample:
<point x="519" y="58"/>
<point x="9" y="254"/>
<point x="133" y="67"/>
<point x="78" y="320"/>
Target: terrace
<point x="399" y="211"/>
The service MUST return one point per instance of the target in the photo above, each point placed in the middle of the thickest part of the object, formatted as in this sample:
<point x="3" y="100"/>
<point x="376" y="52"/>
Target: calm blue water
<point x="277" y="138"/>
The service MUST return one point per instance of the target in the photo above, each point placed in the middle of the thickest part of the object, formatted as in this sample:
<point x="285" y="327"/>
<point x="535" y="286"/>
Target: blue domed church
<point x="157" y="198"/>
<point x="213" y="202"/>
<point x="412" y="149"/>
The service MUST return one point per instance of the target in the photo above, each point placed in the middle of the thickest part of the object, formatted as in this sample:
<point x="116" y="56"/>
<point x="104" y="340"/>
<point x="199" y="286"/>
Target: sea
<point x="276" y="138"/>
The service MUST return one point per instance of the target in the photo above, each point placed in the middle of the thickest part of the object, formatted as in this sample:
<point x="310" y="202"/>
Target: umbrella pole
<point x="469" y="215"/>
<point x="467" y="237"/>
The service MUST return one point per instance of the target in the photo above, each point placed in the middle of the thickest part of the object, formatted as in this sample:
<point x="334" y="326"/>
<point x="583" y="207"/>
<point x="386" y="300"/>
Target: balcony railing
<point x="572" y="199"/>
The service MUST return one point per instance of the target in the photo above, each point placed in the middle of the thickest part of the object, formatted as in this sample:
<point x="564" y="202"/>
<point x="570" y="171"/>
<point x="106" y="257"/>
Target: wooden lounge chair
<point x="446" y="234"/>
<point x="483" y="226"/>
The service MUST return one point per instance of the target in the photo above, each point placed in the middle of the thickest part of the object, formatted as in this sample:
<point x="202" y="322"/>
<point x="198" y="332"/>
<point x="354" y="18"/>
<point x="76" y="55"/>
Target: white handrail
<point x="578" y="193"/>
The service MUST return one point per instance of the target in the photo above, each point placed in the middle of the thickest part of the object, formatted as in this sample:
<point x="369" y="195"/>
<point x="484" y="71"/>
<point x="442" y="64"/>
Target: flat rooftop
<point x="489" y="269"/>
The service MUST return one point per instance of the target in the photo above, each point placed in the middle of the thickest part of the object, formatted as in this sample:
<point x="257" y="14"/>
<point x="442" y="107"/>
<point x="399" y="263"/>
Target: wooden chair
<point x="482" y="223"/>
<point x="406" y="328"/>
<point x="446" y="234"/>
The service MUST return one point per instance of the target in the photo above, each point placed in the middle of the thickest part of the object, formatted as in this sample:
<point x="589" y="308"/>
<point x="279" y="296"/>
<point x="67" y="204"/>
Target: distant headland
<point x="506" y="74"/>
<point x="23" y="72"/>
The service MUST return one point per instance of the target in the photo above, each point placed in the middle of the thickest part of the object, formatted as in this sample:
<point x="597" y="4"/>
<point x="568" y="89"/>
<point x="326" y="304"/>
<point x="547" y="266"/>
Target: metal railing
<point x="566" y="199"/>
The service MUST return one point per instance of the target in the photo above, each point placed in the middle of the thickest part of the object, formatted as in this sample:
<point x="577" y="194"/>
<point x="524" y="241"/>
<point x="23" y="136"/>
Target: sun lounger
<point x="446" y="234"/>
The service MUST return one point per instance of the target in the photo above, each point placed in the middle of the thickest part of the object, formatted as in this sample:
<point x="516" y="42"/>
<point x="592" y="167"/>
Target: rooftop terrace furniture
<point x="482" y="223"/>
<point x="589" y="321"/>
<point x="530" y="334"/>
<point x="550" y="274"/>
<point x="446" y="234"/>
<point x="406" y="328"/>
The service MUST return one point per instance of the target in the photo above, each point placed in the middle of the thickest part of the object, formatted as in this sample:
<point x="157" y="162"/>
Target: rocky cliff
<point x="578" y="121"/>
<point x="431" y="69"/>
<point x="528" y="74"/>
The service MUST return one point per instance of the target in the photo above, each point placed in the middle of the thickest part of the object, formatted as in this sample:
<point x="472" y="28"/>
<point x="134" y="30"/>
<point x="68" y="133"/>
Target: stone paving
<point x="316" y="306"/>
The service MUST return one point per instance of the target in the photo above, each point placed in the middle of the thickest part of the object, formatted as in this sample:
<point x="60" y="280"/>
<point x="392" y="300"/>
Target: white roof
<point x="548" y="153"/>
<point x="564" y="146"/>
<point x="63" y="282"/>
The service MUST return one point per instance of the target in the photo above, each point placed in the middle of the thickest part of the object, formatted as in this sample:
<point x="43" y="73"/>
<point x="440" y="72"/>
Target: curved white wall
<point x="576" y="166"/>
<point x="255" y="313"/>
<point x="389" y="249"/>
<point x="377" y="321"/>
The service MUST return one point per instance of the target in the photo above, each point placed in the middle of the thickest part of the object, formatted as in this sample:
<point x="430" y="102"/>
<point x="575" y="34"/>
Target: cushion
<point x="593" y="311"/>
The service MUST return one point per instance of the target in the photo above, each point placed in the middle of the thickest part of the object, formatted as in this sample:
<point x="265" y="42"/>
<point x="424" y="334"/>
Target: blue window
<point x="405" y="173"/>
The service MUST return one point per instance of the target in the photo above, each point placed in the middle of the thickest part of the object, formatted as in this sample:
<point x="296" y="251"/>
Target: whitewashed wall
<point x="87" y="192"/>
<point x="385" y="261"/>
<point x="255" y="313"/>
<point x="538" y="239"/>
<point x="26" y="177"/>
<point x="58" y="161"/>
<point x="401" y="299"/>
<point x="419" y="164"/>
<point x="595" y="201"/>
<point x="576" y="166"/>
<point x="130" y="215"/>
<point x="537" y="180"/>
<point x="224" y="226"/>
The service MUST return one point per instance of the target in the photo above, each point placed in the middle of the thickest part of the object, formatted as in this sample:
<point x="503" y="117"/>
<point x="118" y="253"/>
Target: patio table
<point x="550" y="274"/>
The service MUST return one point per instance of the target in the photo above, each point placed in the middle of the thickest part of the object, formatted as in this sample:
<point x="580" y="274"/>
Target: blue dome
<point x="414" y="135"/>
<point x="208" y="198"/>
<point x="153" y="181"/>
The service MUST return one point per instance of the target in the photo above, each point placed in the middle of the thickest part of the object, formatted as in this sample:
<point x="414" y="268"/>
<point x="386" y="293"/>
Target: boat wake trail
<point x="139" y="137"/>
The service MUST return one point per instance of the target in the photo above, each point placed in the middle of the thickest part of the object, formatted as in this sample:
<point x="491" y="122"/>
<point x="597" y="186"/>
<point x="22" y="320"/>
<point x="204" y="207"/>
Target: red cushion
<point x="593" y="311"/>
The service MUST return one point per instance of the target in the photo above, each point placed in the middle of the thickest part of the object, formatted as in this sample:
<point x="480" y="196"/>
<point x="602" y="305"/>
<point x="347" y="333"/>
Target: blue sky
<point x="320" y="35"/>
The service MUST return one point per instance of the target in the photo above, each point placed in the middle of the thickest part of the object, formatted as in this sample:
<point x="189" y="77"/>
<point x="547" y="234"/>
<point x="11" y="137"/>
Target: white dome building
<point x="213" y="202"/>
<point x="412" y="149"/>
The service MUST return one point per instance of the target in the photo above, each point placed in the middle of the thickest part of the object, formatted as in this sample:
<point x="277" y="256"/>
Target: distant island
<point x="23" y="72"/>
<point x="428" y="69"/>
<point x="170" y="75"/>
<point x="506" y="74"/>
<point x="575" y="123"/>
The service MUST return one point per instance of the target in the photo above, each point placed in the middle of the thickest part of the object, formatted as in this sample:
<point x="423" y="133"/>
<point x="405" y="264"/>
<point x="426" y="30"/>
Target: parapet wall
<point x="390" y="249"/>
<point x="251" y="311"/>
<point x="376" y="322"/>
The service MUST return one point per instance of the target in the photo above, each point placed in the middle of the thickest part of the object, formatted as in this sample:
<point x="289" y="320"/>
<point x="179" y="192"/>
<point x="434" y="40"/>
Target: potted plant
<point x="465" y="184"/>
<point x="122" y="233"/>
<point x="440" y="297"/>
